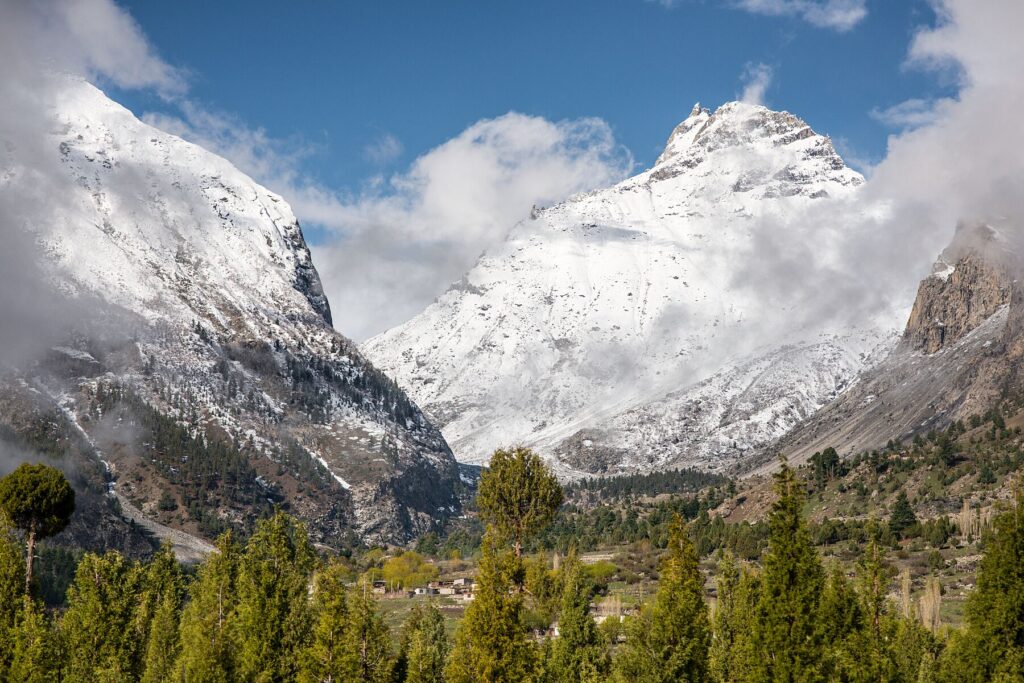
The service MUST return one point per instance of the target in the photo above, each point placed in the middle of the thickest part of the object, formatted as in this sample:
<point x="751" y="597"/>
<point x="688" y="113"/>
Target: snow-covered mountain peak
<point x="749" y="147"/>
<point x="625" y="301"/>
<point x="227" y="328"/>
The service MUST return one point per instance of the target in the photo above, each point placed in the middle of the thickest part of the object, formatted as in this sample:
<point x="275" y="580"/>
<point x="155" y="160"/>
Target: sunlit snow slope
<point x="610" y="332"/>
<point x="230" y="331"/>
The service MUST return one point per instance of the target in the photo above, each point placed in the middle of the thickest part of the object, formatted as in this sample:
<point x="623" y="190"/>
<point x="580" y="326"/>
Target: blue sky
<point x="409" y="137"/>
<point x="341" y="76"/>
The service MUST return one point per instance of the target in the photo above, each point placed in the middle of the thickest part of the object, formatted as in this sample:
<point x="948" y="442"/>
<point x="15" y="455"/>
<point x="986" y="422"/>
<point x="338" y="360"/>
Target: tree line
<point x="272" y="609"/>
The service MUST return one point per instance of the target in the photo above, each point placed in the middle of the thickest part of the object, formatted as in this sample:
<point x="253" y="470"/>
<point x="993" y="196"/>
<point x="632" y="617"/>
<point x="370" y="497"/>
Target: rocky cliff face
<point x="968" y="285"/>
<point x="960" y="353"/>
<point x="206" y="376"/>
<point x="609" y="331"/>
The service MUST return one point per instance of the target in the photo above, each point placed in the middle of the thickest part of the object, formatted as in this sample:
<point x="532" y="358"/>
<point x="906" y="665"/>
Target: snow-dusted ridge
<point x="609" y="331"/>
<point x="222" y="323"/>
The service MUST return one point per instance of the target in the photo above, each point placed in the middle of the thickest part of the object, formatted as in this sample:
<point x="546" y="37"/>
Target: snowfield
<point x="611" y="331"/>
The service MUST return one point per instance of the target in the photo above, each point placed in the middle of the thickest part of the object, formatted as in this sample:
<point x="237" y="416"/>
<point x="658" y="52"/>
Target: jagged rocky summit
<point x="208" y="380"/>
<point x="960" y="354"/>
<point x="612" y="331"/>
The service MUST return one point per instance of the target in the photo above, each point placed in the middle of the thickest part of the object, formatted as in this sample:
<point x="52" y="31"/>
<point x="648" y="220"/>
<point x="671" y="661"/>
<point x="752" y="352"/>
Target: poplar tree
<point x="786" y="635"/>
<point x="491" y="643"/>
<point x="206" y="649"/>
<point x="272" y="618"/>
<point x="579" y="654"/>
<point x="322" y="660"/>
<point x="671" y="638"/>
<point x="991" y="648"/>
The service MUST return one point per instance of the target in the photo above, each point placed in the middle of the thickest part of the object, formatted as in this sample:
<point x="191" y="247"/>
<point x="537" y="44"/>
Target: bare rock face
<point x="951" y="303"/>
<point x="961" y="351"/>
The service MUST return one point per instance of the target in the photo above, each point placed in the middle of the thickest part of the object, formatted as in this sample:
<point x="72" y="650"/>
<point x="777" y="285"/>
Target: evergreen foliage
<point x="38" y="500"/>
<point x="670" y="639"/>
<point x="272" y="617"/>
<point x="786" y="636"/>
<point x="579" y="654"/>
<point x="424" y="648"/>
<point x="518" y="495"/>
<point x="491" y="643"/>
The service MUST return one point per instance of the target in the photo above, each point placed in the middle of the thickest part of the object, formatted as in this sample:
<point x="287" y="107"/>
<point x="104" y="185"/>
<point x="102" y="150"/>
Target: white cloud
<point x="399" y="242"/>
<point x="840" y="15"/>
<point x="910" y="113"/>
<point x="400" y="245"/>
<point x="961" y="164"/>
<point x="43" y="45"/>
<point x="383" y="150"/>
<point x="756" y="78"/>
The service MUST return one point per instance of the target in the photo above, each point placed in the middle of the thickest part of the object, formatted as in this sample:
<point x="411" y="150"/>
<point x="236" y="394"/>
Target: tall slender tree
<point x="37" y="657"/>
<point x="207" y="654"/>
<point x="786" y="635"/>
<point x="579" y="654"/>
<point x="323" y="658"/>
<point x="491" y="643"/>
<point x="991" y="648"/>
<point x="272" y="615"/>
<point x="425" y="647"/>
<point x="97" y="626"/>
<point x="156" y="622"/>
<point x="367" y="646"/>
<point x="671" y="638"/>
<point x="12" y="586"/>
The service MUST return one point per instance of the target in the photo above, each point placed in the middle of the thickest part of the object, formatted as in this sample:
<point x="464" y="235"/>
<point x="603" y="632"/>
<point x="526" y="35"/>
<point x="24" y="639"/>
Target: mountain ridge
<point x="619" y="297"/>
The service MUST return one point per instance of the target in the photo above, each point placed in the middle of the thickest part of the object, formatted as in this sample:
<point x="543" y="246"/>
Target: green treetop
<point x="518" y="495"/>
<point x="671" y="638"/>
<point x="38" y="500"/>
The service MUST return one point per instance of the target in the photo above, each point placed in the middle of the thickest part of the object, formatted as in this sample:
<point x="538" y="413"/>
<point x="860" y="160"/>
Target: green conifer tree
<point x="518" y="495"/>
<point x="992" y="646"/>
<point x="724" y="624"/>
<point x="157" y="617"/>
<point x="322" y="659"/>
<point x="902" y="517"/>
<point x="366" y="652"/>
<point x="97" y="627"/>
<point x="37" y="655"/>
<point x="427" y="649"/>
<point x="12" y="587"/>
<point x="491" y="643"/>
<point x="207" y="655"/>
<point x="38" y="500"/>
<point x="579" y="654"/>
<point x="272" y="617"/>
<point x="786" y="635"/>
<point x="671" y="638"/>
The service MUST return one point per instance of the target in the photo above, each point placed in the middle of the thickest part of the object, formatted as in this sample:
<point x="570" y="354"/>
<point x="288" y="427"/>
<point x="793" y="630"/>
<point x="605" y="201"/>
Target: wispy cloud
<point x="839" y="15"/>
<point x="44" y="46"/>
<point x="383" y="150"/>
<point x="397" y="243"/>
<point x="910" y="113"/>
<point x="756" y="80"/>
